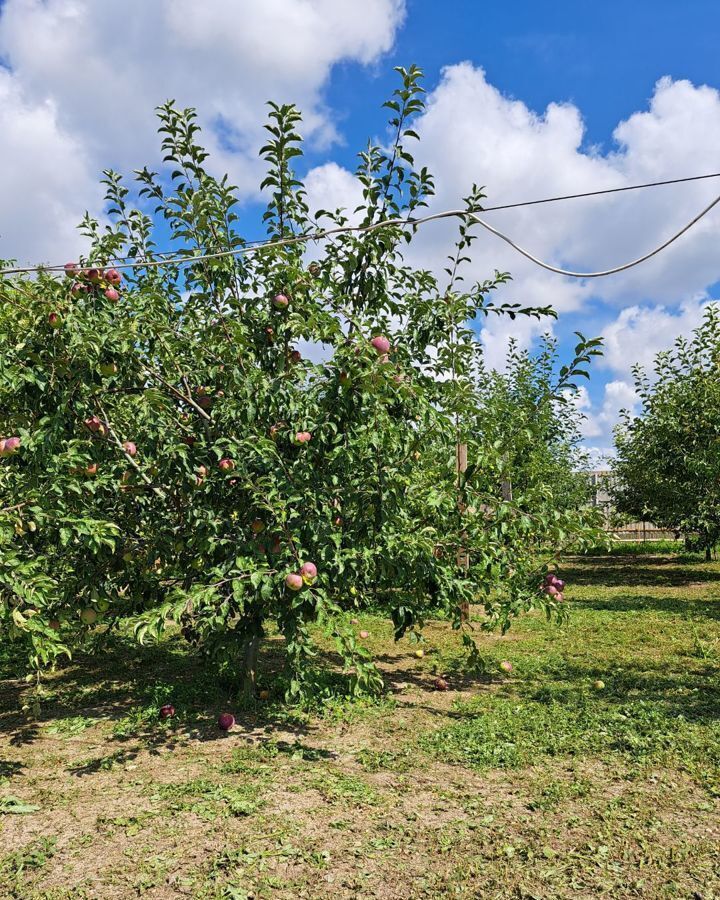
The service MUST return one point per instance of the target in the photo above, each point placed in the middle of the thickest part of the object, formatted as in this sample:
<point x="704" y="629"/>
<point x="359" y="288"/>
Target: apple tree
<point x="257" y="436"/>
<point x="667" y="467"/>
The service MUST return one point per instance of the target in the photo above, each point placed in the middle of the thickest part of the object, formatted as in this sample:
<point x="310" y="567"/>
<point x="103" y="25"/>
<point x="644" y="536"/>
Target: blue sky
<point x="529" y="99"/>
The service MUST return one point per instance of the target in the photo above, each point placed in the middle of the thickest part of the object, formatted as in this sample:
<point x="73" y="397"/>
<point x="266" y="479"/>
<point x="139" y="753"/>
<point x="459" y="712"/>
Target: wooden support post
<point x="463" y="557"/>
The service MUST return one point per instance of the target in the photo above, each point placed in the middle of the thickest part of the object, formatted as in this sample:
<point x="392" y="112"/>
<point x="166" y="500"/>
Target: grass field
<point x="533" y="785"/>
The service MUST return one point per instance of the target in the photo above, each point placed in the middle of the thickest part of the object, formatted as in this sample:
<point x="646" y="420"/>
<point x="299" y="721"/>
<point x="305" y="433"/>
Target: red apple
<point x="112" y="295"/>
<point x="78" y="288"/>
<point x="308" y="571"/>
<point x="10" y="445"/>
<point x="91" y="469"/>
<point x="189" y="439"/>
<point x="54" y="624"/>
<point x="257" y="526"/>
<point x="302" y="437"/>
<point x="440" y="684"/>
<point x="226" y="465"/>
<point x="280" y="301"/>
<point x="130" y="448"/>
<point x="226" y="721"/>
<point x="506" y="666"/>
<point x="205" y="402"/>
<point x="54" y="320"/>
<point x="295" y="356"/>
<point x="276" y="546"/>
<point x="294" y="581"/>
<point x="94" y="275"/>
<point x="167" y="711"/>
<point x="112" y="276"/>
<point x="381" y="344"/>
<point x="364" y="634"/>
<point x="71" y="269"/>
<point x="94" y="424"/>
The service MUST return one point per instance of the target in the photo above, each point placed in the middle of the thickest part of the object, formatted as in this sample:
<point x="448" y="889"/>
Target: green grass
<point x="533" y="784"/>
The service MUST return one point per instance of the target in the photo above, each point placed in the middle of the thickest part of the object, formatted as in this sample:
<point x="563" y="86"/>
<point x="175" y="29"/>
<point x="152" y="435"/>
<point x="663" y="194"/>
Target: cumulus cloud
<point x="95" y="70"/>
<point x="639" y="333"/>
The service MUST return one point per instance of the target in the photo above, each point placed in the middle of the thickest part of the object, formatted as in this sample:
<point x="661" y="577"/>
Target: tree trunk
<point x="708" y="553"/>
<point x="252" y="646"/>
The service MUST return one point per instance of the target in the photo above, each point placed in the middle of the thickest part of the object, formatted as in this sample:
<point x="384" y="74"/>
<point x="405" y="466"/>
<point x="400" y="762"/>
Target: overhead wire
<point x="412" y="221"/>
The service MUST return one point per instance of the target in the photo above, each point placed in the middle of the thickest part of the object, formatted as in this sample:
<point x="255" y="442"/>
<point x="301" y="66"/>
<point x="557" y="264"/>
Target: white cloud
<point x="640" y="332"/>
<point x="97" y="69"/>
<point x="44" y="178"/>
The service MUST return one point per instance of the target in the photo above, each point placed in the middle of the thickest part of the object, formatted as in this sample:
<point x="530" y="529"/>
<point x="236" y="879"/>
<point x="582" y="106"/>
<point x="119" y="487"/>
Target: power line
<point x="453" y="213"/>
<point x="598" y="193"/>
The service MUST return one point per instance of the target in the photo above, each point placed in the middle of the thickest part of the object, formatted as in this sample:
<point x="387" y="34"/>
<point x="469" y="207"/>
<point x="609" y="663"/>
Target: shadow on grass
<point x="640" y="603"/>
<point x="618" y="571"/>
<point x="125" y="687"/>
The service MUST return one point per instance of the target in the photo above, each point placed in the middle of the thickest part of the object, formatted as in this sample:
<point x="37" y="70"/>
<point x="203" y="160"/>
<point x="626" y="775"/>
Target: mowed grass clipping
<point x="590" y="770"/>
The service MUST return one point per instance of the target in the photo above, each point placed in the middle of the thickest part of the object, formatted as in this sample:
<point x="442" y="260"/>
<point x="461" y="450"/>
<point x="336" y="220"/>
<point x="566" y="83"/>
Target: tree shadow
<point x="126" y="685"/>
<point x="635" y="603"/>
<point x="615" y="571"/>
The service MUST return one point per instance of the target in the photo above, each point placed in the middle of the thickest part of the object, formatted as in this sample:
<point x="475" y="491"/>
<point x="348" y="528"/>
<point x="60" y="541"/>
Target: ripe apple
<point x="294" y="581"/>
<point x="189" y="439"/>
<point x="355" y="621"/>
<point x="440" y="684"/>
<point x="560" y="584"/>
<point x="308" y="571"/>
<point x="130" y="448"/>
<point x="276" y="546"/>
<point x="302" y="437"/>
<point x="560" y="597"/>
<point x="264" y="695"/>
<point x="506" y="666"/>
<point x="54" y="320"/>
<point x="226" y="721"/>
<point x="54" y="624"/>
<point x="91" y="469"/>
<point x="280" y="301"/>
<point x="9" y="446"/>
<point x="94" y="275"/>
<point x="420" y="653"/>
<point x="314" y="269"/>
<point x="205" y="402"/>
<point x="295" y="356"/>
<point x="226" y="465"/>
<point x="92" y="423"/>
<point x="381" y="344"/>
<point x="257" y="526"/>
<point x="167" y="711"/>
<point x="338" y="521"/>
<point x="112" y="295"/>
<point x="88" y="616"/>
<point x="364" y="634"/>
<point x="71" y="269"/>
<point x="78" y="288"/>
<point x="112" y="276"/>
